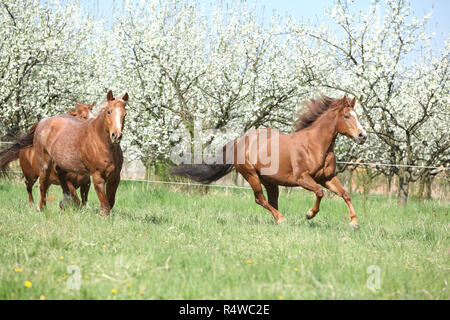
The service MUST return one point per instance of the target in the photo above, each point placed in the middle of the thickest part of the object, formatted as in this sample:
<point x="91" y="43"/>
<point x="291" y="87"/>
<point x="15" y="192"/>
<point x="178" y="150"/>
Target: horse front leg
<point x="307" y="182"/>
<point x="334" y="185"/>
<point x="111" y="188"/>
<point x="99" y="185"/>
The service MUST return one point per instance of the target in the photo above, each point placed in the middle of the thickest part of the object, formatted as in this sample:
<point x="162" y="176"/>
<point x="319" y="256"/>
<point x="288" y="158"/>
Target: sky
<point x="313" y="10"/>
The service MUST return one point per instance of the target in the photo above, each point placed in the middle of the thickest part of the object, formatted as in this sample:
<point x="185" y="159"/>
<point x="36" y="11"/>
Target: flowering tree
<point x="400" y="83"/>
<point x="189" y="73"/>
<point x="227" y="71"/>
<point x="45" y="63"/>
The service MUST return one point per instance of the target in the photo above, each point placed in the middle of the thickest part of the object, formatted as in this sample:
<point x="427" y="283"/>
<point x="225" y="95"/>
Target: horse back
<point x="59" y="138"/>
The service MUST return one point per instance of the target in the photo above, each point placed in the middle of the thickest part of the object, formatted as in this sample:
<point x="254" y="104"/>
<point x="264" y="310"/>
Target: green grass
<point x="163" y="243"/>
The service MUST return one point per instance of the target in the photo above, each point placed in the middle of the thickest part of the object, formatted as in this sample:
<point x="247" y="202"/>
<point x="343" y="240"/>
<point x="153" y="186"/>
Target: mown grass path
<point x="163" y="243"/>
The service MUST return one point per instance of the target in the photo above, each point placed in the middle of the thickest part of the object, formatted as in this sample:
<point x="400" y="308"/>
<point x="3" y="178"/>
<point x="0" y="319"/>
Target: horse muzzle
<point x="361" y="137"/>
<point x="116" y="137"/>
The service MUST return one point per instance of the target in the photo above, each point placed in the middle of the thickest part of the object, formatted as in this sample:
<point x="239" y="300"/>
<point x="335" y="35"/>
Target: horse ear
<point x="352" y="103"/>
<point x="109" y="96"/>
<point x="72" y="112"/>
<point x="91" y="106"/>
<point x="125" y="97"/>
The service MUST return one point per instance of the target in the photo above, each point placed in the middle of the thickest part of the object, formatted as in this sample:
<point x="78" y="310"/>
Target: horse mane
<point x="314" y="109"/>
<point x="102" y="105"/>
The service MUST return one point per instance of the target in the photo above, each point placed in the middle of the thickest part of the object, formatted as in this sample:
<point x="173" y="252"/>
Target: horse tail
<point x="12" y="153"/>
<point x="207" y="173"/>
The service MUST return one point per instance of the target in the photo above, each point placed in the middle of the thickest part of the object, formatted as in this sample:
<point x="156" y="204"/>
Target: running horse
<point x="84" y="148"/>
<point x="30" y="167"/>
<point x="304" y="158"/>
<point x="89" y="148"/>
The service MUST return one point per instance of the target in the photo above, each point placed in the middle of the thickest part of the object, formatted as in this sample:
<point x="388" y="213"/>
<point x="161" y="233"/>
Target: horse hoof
<point x="354" y="227"/>
<point x="309" y="214"/>
<point x="103" y="214"/>
<point x="281" y="221"/>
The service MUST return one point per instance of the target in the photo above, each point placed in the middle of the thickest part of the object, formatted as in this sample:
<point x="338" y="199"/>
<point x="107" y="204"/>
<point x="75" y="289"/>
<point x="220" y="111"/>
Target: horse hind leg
<point x="84" y="191"/>
<point x="69" y="190"/>
<point x="73" y="193"/>
<point x="44" y="183"/>
<point x="29" y="182"/>
<point x="255" y="183"/>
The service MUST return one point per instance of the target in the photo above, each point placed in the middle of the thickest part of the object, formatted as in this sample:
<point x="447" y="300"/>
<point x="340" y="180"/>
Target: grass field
<point x="163" y="243"/>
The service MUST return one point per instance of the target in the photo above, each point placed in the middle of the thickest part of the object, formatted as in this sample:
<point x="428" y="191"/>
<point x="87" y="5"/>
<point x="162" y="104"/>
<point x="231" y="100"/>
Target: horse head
<point x="83" y="112"/>
<point x="348" y="121"/>
<point x="115" y="116"/>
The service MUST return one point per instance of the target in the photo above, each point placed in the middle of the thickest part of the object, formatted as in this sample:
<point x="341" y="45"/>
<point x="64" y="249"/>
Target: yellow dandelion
<point x="104" y="246"/>
<point x="249" y="261"/>
<point x="296" y="269"/>
<point x="66" y="275"/>
<point x="130" y="284"/>
<point x="13" y="295"/>
<point x="114" y="291"/>
<point x="73" y="262"/>
<point x="85" y="276"/>
<point x="417" y="267"/>
<point x="61" y="258"/>
<point x="18" y="270"/>
<point x="141" y="292"/>
<point x="182" y="286"/>
<point x="406" y="267"/>
<point x="27" y="284"/>
<point x="280" y="297"/>
<point x="42" y="298"/>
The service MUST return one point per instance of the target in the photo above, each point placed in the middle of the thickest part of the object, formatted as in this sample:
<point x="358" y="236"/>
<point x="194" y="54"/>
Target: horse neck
<point x="324" y="132"/>
<point x="97" y="126"/>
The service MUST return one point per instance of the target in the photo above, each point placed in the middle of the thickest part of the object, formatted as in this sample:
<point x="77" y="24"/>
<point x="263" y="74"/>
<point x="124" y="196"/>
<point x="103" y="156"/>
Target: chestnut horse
<point x="29" y="165"/>
<point x="304" y="158"/>
<point x="84" y="148"/>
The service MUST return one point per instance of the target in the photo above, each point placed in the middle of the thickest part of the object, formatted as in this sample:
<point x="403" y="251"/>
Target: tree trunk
<point x="421" y="187"/>
<point x="148" y="173"/>
<point x="428" y="187"/>
<point x="403" y="187"/>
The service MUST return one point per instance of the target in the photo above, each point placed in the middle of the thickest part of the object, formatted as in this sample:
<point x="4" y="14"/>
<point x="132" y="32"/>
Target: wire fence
<point x="371" y="164"/>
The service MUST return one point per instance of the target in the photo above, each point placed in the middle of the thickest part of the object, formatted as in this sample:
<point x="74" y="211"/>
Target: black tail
<point x="12" y="153"/>
<point x="207" y="173"/>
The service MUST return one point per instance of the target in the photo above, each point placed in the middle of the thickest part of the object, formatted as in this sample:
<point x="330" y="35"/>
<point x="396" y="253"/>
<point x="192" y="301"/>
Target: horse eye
<point x="346" y="117"/>
<point x="109" y="111"/>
